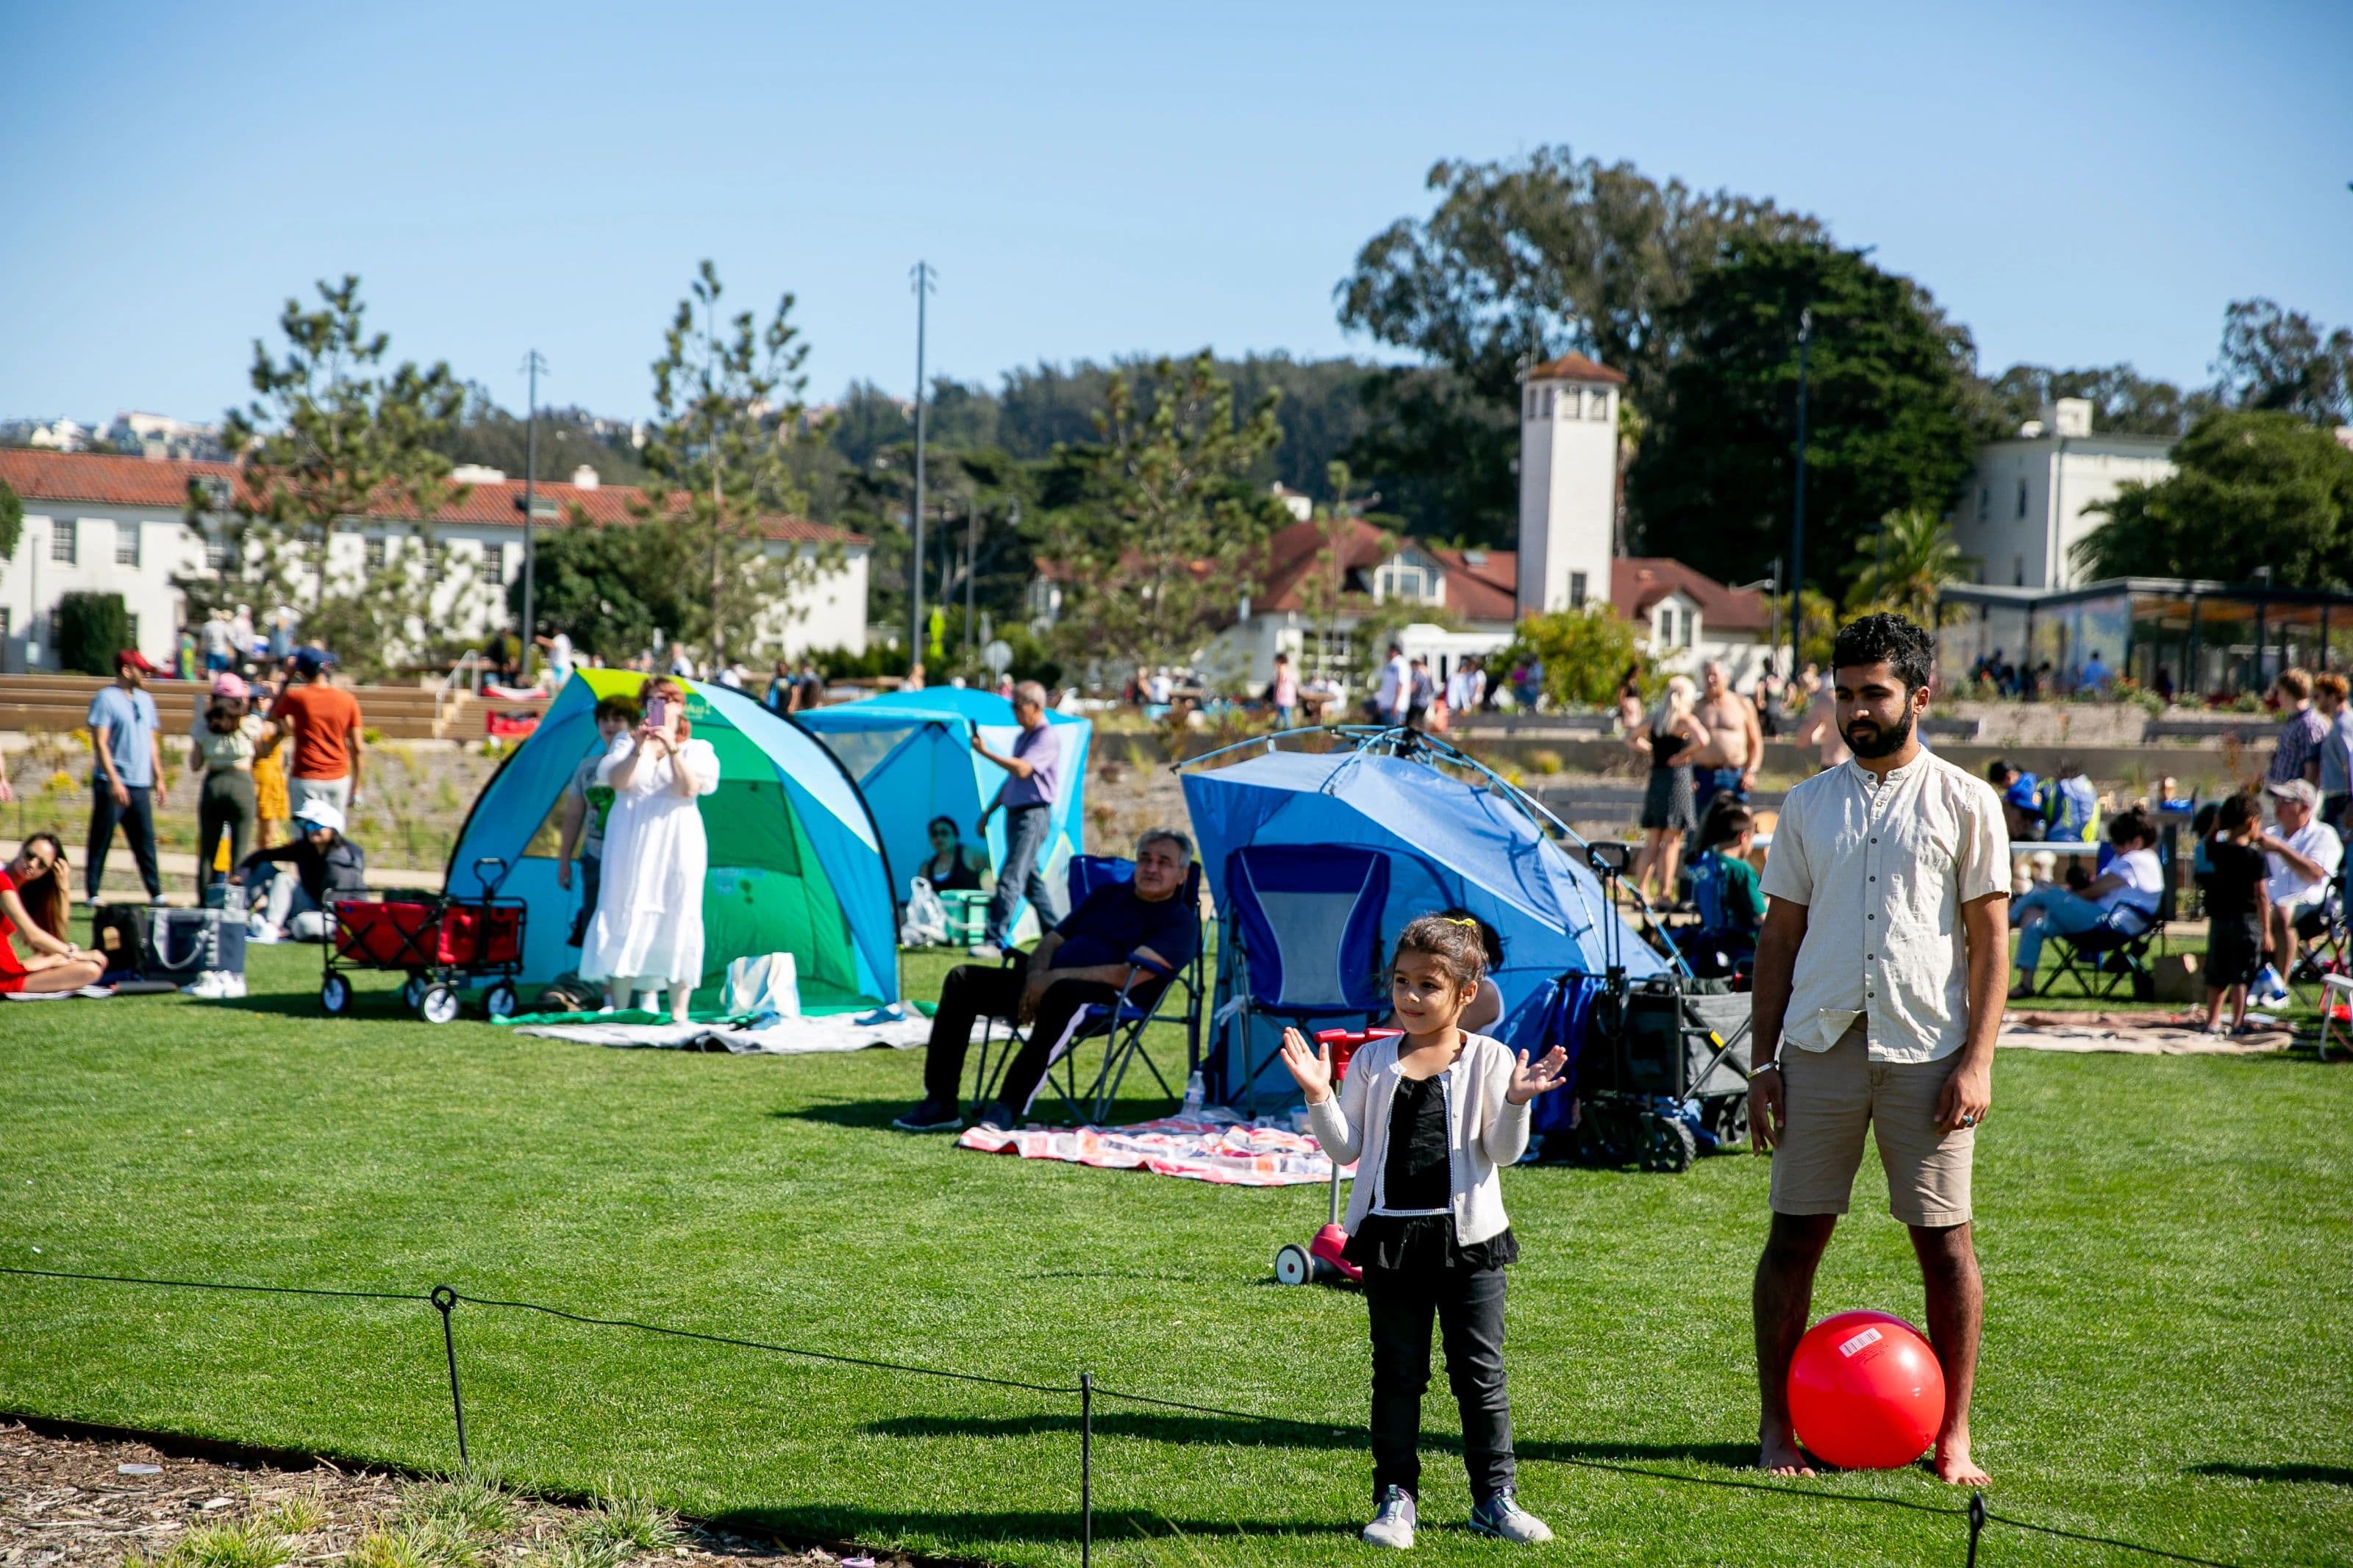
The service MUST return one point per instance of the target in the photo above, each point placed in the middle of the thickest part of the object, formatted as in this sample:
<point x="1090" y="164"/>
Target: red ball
<point x="1865" y="1391"/>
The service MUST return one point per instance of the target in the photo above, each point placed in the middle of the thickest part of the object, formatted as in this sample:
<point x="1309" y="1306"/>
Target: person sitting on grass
<point x="588" y="803"/>
<point x="2134" y="881"/>
<point x="952" y="865"/>
<point x="1136" y="933"/>
<point x="2238" y="907"/>
<point x="324" y="866"/>
<point x="34" y="905"/>
<point x="1431" y="1118"/>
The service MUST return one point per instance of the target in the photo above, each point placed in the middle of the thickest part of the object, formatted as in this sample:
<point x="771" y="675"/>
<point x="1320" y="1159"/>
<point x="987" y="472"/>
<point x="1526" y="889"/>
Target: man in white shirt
<point x="2304" y="854"/>
<point x="1389" y="702"/>
<point x="1879" y="981"/>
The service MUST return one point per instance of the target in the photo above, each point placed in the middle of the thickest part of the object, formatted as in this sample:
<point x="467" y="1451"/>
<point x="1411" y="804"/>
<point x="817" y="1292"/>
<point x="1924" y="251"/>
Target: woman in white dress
<point x="647" y="933"/>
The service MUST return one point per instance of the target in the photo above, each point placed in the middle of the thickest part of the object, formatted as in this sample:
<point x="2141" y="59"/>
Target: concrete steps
<point x="395" y="712"/>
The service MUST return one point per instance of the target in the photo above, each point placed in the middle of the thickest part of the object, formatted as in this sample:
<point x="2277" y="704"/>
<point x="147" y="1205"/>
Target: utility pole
<point x="971" y="557"/>
<point x="1798" y="526"/>
<point x="533" y="362"/>
<point x="924" y="278"/>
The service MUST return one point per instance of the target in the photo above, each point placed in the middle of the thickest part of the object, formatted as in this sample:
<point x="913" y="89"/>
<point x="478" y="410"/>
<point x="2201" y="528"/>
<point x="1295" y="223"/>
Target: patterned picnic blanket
<point x="1216" y="1146"/>
<point x="2134" y="1034"/>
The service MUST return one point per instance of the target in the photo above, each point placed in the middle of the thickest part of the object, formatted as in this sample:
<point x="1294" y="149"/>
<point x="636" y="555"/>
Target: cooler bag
<point x="191" y="943"/>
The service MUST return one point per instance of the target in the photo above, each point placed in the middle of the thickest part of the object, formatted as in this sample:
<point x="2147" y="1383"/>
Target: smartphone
<point x="657" y="713"/>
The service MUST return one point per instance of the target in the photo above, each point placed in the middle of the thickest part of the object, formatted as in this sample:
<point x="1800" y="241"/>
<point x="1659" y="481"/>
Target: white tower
<point x="1569" y="482"/>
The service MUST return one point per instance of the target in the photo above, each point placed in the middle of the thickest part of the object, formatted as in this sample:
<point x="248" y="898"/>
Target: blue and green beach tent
<point x="795" y="864"/>
<point x="912" y="754"/>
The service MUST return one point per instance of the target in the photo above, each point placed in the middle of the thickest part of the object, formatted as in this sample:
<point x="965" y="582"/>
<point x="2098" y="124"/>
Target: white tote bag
<point x="767" y="983"/>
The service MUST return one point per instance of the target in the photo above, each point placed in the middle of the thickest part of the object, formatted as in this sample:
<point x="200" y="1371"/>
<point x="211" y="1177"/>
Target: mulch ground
<point x="69" y="1501"/>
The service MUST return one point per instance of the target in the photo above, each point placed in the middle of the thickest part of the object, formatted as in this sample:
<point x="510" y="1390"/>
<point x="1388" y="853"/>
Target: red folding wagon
<point x="444" y="945"/>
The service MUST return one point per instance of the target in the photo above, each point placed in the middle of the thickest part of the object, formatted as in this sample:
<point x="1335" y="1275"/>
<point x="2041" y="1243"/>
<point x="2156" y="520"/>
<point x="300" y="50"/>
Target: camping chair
<point x="2322" y="942"/>
<point x="1120" y="1025"/>
<point x="1304" y="924"/>
<point x="2111" y="955"/>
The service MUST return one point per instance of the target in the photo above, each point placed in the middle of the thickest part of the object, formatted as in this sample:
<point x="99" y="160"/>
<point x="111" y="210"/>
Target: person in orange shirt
<point x="321" y="722"/>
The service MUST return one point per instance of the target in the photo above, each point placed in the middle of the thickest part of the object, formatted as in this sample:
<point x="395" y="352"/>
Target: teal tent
<point x="795" y="864"/>
<point x="912" y="754"/>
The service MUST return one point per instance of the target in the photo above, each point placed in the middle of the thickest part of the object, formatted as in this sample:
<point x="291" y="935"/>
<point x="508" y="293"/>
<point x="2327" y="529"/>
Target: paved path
<point x="120" y="868"/>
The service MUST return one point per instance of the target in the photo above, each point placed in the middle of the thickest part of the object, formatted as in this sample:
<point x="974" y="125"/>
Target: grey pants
<point x="1026" y="830"/>
<point x="335" y="792"/>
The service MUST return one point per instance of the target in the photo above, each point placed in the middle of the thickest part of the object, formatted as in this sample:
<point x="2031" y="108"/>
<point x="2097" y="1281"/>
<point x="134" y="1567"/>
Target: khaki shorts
<point x="1832" y="1097"/>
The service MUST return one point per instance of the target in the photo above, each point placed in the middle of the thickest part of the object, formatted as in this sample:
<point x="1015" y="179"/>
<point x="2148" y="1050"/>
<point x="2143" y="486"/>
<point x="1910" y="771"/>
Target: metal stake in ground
<point x="1976" y="1524"/>
<point x="443" y="1299"/>
<point x="1086" y="1469"/>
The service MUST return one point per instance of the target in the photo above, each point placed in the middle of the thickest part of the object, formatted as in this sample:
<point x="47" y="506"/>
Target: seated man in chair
<point x="1138" y="932"/>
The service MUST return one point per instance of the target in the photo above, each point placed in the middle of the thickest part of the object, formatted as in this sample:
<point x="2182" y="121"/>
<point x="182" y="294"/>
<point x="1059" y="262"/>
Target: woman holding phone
<point x="647" y="933"/>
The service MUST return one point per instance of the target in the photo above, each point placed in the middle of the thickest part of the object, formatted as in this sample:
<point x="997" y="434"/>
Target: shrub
<point x="1544" y="761"/>
<point x="91" y="628"/>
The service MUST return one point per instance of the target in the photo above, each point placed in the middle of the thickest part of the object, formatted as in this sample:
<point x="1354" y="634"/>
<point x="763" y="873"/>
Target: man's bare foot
<point x="1779" y="1454"/>
<point x="1953" y="1466"/>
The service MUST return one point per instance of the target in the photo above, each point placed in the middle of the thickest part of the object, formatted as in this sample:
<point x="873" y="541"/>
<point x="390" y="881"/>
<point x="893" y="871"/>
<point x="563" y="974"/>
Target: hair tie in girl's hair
<point x="1453" y="921"/>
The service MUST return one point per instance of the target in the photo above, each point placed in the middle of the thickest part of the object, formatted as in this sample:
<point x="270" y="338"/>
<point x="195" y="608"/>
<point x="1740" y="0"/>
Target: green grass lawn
<point x="2169" y="1339"/>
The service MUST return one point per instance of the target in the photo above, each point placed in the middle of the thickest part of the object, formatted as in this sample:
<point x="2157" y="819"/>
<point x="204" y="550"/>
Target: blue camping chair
<point x="1718" y="949"/>
<point x="2113" y="956"/>
<point x="1120" y="1025"/>
<point x="1304" y="924"/>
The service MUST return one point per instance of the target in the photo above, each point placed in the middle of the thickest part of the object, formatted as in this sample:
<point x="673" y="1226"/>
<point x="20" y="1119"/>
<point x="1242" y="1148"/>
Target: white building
<point x="2034" y="497"/>
<point x="1682" y="617"/>
<point x="113" y="524"/>
<point x="1569" y="482"/>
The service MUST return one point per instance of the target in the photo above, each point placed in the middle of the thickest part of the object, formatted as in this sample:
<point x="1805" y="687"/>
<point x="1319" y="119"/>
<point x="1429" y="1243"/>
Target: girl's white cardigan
<point x="1485" y="1131"/>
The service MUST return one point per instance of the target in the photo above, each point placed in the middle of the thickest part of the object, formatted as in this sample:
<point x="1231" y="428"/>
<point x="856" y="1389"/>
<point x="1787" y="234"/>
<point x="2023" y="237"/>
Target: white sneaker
<point x="263" y="931"/>
<point x="1393" y="1523"/>
<point x="1501" y="1517"/>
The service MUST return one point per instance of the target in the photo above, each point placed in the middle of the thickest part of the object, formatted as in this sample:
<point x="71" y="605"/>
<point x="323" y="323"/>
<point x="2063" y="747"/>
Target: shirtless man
<point x="1819" y="727"/>
<point x="1728" y="761"/>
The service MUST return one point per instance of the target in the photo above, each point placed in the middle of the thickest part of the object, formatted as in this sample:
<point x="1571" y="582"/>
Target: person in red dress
<point x="33" y="907"/>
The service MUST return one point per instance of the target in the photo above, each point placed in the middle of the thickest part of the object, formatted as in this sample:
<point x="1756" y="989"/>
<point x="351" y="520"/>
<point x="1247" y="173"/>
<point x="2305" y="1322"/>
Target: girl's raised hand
<point x="1311" y="1069"/>
<point x="1527" y="1081"/>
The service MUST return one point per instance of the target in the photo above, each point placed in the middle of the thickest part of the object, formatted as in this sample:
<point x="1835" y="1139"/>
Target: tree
<point x="613" y="588"/>
<point x="2249" y="491"/>
<point x="728" y="411"/>
<point x="2280" y="359"/>
<point x="1887" y="428"/>
<point x="1521" y="260"/>
<point x="1161" y="538"/>
<point x="12" y="519"/>
<point x="499" y="439"/>
<point x="2123" y="402"/>
<point x="331" y="440"/>
<point x="1908" y="561"/>
<point x="1584" y="653"/>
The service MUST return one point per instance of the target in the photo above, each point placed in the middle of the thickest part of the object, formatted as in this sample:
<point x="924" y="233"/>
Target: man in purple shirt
<point x="1028" y="800"/>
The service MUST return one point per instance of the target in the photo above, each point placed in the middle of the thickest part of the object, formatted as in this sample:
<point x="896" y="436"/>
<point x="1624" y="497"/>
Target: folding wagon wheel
<point x="412" y="991"/>
<point x="335" y="996"/>
<point x="1668" y="1143"/>
<point x="498" y="1002"/>
<point x="440" y="1004"/>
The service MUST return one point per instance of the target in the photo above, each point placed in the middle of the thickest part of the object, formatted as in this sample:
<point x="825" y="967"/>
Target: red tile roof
<point x="103" y="479"/>
<point x="1575" y="367"/>
<point x="1485" y="592"/>
<point x="1639" y="582"/>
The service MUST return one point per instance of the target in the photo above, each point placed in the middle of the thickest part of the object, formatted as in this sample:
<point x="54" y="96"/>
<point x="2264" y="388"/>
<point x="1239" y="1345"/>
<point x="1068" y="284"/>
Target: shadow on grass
<point x="865" y="1114"/>
<point x="2324" y="1475"/>
<point x="1198" y="1429"/>
<point x="977" y="1529"/>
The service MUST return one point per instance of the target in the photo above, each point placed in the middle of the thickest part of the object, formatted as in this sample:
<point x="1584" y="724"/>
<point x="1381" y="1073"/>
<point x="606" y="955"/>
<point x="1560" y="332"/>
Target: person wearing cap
<point x="2022" y="805"/>
<point x="127" y="785"/>
<point x="229" y="736"/>
<point x="324" y="722"/>
<point x="325" y="867"/>
<point x="2303" y="853"/>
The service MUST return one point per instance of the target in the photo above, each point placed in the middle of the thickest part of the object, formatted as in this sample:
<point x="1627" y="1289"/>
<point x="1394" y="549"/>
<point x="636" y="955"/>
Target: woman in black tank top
<point x="950" y="867"/>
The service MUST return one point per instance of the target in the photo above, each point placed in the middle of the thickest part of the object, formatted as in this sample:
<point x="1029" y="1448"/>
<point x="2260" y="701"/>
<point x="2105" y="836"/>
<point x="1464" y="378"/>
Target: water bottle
<point x="1194" y="1091"/>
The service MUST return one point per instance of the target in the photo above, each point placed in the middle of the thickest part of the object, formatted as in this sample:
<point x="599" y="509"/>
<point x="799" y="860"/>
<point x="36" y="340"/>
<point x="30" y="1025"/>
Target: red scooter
<point x="1320" y="1258"/>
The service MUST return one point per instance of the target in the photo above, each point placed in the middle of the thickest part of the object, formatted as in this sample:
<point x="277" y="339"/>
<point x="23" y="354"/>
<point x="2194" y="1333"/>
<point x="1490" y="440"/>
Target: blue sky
<point x="2079" y="184"/>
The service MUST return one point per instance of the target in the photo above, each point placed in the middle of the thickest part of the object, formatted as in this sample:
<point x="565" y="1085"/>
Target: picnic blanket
<point x="1214" y="1146"/>
<point x="2134" y="1033"/>
<point x="896" y="1029"/>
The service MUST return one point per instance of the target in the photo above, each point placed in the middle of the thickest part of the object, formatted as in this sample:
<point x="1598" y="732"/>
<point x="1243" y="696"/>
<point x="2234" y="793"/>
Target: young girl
<point x="1430" y="1118"/>
<point x="2238" y="908"/>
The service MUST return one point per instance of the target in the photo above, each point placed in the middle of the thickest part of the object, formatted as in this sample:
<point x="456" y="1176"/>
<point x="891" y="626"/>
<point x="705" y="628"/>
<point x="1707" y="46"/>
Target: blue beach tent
<point x="795" y="864"/>
<point x="911" y="752"/>
<point x="1446" y="841"/>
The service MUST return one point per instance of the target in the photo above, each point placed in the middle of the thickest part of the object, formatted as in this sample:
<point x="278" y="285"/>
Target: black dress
<point x="1417" y="1172"/>
<point x="1667" y="802"/>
